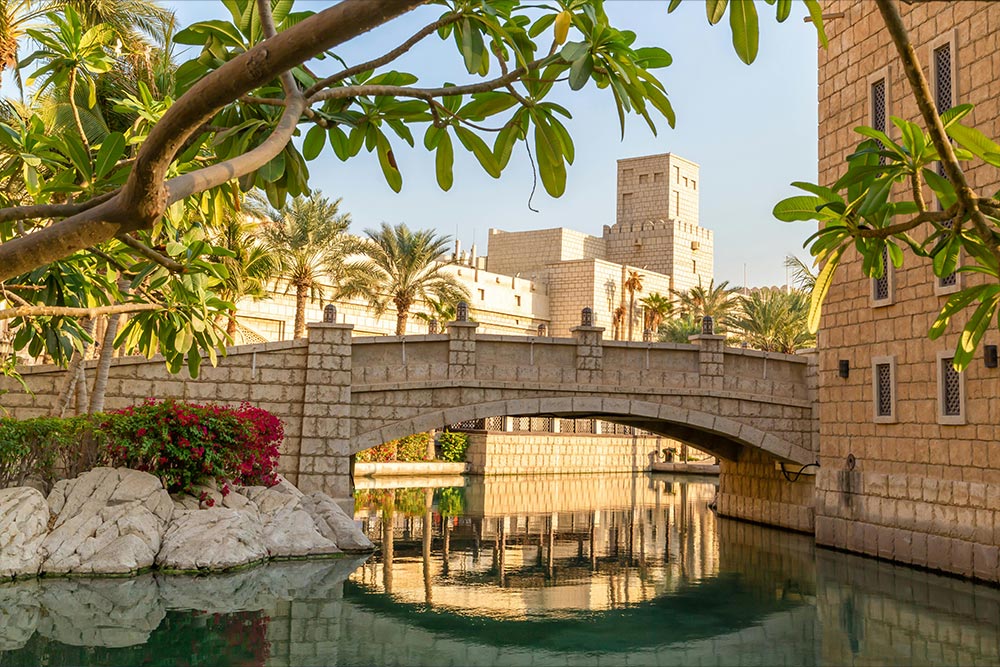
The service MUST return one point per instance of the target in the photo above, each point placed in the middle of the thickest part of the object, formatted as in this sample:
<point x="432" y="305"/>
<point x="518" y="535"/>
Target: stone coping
<point x="409" y="468"/>
<point x="797" y="358"/>
<point x="686" y="468"/>
<point x="588" y="390"/>
<point x="650" y="345"/>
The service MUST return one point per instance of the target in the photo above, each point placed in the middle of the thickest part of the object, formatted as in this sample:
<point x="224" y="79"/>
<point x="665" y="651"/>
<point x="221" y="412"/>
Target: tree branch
<point x="900" y="227"/>
<point x="67" y="311"/>
<point x="53" y="210"/>
<point x="385" y="59"/>
<point x="151" y="254"/>
<point x="925" y="102"/>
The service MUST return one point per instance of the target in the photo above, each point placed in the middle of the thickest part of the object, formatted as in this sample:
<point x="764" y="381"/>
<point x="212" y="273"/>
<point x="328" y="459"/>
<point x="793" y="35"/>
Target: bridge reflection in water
<point x="588" y="570"/>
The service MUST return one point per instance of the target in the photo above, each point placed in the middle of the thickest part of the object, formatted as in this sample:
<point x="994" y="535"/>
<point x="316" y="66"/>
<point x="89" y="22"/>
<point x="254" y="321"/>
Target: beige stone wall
<point x="528" y="252"/>
<point x="550" y="453"/>
<point x="921" y="491"/>
<point x="752" y="489"/>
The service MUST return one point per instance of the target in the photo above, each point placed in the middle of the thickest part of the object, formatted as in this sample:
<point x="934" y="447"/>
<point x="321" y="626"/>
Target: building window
<point x="677" y="174"/>
<point x="482" y="295"/>
<point x="878" y="111"/>
<point x="643" y="179"/>
<point x="944" y="99"/>
<point x="884" y="389"/>
<point x="658" y="177"/>
<point x="677" y="204"/>
<point x="883" y="289"/>
<point x="951" y="391"/>
<point x="694" y="184"/>
<point x="517" y="301"/>
<point x="694" y="266"/>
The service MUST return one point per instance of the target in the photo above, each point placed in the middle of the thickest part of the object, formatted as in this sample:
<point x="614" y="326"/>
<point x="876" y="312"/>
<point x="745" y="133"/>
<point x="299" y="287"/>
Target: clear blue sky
<point x="752" y="130"/>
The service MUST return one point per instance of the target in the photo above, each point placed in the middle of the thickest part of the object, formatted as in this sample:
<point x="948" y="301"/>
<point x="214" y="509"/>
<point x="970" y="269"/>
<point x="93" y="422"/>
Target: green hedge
<point x="181" y="443"/>
<point x="411" y="448"/>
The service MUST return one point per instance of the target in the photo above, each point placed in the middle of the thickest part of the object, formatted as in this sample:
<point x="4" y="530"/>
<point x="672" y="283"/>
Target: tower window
<point x="951" y="391"/>
<point x="884" y="389"/>
<point x="883" y="288"/>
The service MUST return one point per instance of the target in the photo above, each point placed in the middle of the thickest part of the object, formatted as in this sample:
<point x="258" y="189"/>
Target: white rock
<point x="212" y="539"/>
<point x="101" y="612"/>
<point x="334" y="524"/>
<point x="24" y="523"/>
<point x="288" y="529"/>
<point x="20" y="611"/>
<point x="109" y="521"/>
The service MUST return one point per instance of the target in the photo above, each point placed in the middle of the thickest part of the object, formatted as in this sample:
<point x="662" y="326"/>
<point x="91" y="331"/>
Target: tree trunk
<point x="104" y="364"/>
<point x="631" y="312"/>
<point x="401" y="318"/>
<point x="231" y="325"/>
<point x="65" y="396"/>
<point x="301" y="296"/>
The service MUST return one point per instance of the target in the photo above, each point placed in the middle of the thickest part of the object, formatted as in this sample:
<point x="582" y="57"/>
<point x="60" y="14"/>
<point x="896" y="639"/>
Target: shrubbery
<point x="453" y="446"/>
<point x="181" y="443"/>
<point x="411" y="448"/>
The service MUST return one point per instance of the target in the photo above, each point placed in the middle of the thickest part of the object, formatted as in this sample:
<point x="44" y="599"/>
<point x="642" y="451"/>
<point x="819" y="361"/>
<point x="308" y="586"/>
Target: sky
<point x="752" y="129"/>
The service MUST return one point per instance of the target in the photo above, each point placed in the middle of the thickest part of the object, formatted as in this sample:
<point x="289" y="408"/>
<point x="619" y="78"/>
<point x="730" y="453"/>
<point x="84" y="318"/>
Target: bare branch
<point x="151" y="254"/>
<point x="53" y="210"/>
<point x="68" y="311"/>
<point x="385" y="59"/>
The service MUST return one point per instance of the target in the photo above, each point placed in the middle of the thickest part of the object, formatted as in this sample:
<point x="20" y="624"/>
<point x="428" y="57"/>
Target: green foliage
<point x="679" y="329"/>
<point x="878" y="203"/>
<point x="411" y="448"/>
<point x="181" y="443"/>
<point x="450" y="501"/>
<point x="453" y="446"/>
<point x="774" y="320"/>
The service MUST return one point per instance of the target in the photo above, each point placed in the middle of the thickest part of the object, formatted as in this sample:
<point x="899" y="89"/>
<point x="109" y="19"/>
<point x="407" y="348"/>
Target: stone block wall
<point x="915" y="486"/>
<point x="552" y="453"/>
<point x="753" y="490"/>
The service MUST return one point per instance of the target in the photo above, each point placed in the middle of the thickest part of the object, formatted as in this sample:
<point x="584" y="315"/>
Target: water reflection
<point x="587" y="570"/>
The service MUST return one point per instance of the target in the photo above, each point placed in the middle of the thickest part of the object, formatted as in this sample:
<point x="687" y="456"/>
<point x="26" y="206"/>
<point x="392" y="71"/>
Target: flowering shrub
<point x="181" y="443"/>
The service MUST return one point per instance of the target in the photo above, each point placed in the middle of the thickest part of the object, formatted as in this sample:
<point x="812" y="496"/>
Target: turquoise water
<point x="560" y="570"/>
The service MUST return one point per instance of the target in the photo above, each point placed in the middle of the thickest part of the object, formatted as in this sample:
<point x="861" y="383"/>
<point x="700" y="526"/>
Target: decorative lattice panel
<point x="494" y="423"/>
<point x="469" y="425"/>
<point x="878" y="111"/>
<point x="951" y="389"/>
<point x="942" y="78"/>
<point x="880" y="287"/>
<point x="883" y="389"/>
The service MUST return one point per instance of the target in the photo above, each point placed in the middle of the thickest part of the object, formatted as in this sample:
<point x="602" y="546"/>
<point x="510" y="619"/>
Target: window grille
<point x="883" y="389"/>
<point x="469" y="425"/>
<point x="951" y="389"/>
<point x="942" y="77"/>
<point x="880" y="286"/>
<point x="493" y="423"/>
<point x="878" y="111"/>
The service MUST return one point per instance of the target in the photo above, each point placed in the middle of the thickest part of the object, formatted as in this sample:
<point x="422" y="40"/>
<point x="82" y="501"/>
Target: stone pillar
<point x="710" y="360"/>
<point x="589" y="353"/>
<point x="462" y="350"/>
<point x="324" y="463"/>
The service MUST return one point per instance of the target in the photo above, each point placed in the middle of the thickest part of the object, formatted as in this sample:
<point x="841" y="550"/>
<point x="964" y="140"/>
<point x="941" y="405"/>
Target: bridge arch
<point x="722" y="436"/>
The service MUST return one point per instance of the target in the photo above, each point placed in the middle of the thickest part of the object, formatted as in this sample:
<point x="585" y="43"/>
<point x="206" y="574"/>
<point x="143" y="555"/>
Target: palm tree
<point x="440" y="310"/>
<point x="717" y="301"/>
<point x="633" y="284"/>
<point x="802" y="275"/>
<point x="402" y="267"/>
<point x="774" y="321"/>
<point x="678" y="329"/>
<point x="307" y="239"/>
<point x="656" y="308"/>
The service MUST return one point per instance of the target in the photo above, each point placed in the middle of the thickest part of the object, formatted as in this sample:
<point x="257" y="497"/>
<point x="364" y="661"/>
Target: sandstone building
<point x="545" y="277"/>
<point x="910" y="449"/>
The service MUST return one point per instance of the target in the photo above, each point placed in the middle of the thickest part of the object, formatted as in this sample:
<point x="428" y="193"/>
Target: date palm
<point x="251" y="265"/>
<point x="402" y="266"/>
<point x="308" y="239"/>
<point x="678" y="329"/>
<point x="656" y="308"/>
<point x="633" y="284"/>
<point x="774" y="321"/>
<point x="716" y="301"/>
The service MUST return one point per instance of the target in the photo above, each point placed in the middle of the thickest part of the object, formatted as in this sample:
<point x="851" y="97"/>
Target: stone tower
<point x="657" y="220"/>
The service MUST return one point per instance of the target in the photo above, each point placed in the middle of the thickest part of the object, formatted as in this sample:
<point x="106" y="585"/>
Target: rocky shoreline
<point x="122" y="522"/>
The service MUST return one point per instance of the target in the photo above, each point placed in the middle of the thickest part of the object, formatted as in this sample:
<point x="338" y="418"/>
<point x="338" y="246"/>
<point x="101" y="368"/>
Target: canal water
<point x="544" y="570"/>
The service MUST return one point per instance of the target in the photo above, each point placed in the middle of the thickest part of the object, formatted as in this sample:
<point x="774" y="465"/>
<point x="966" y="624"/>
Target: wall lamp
<point x="843" y="368"/>
<point x="990" y="352"/>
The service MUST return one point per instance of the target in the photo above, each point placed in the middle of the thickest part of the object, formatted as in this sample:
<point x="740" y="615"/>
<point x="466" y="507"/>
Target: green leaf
<point x="473" y="47"/>
<point x="945" y="261"/>
<point x="112" y="149"/>
<point x="579" y="73"/>
<point x="387" y="161"/>
<point x="942" y="187"/>
<point x="674" y="4"/>
<point x="338" y="140"/>
<point x="314" y="142"/>
<point x="478" y="147"/>
<point x="974" y="329"/>
<point x="743" y="22"/>
<point x="955" y="303"/>
<point x="551" y="168"/>
<point x="974" y="140"/>
<point x="273" y="170"/>
<point x="504" y="144"/>
<point x="816" y="15"/>
<point x="823" y="282"/>
<point x="574" y="51"/>
<point x="444" y="160"/>
<point x="784" y="10"/>
<point x="653" y="57"/>
<point x="715" y="9"/>
<point x="798" y="208"/>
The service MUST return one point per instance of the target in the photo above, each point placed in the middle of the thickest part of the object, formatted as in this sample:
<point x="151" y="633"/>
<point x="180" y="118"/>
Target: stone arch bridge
<point x="339" y="394"/>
